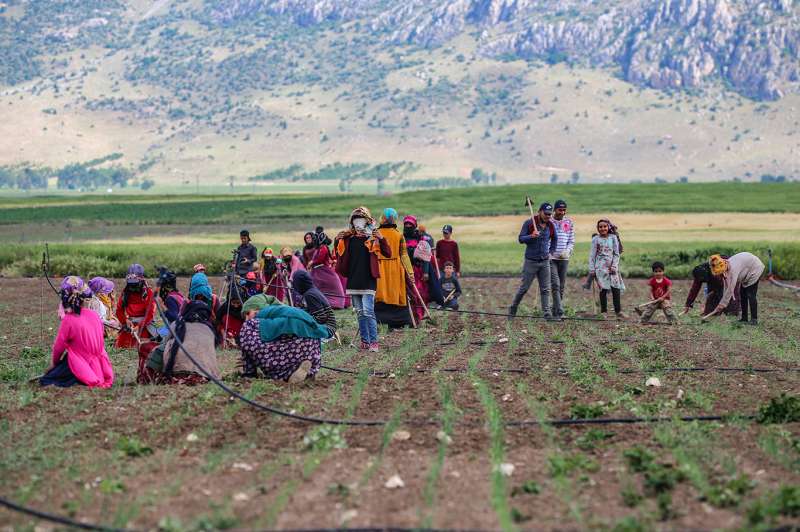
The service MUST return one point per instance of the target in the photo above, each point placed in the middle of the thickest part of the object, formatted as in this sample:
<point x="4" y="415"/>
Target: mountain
<point x="225" y="89"/>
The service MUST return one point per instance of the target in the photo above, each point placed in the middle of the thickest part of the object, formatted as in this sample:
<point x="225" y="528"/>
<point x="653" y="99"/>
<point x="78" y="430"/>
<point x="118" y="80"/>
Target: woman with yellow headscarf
<point x="742" y="269"/>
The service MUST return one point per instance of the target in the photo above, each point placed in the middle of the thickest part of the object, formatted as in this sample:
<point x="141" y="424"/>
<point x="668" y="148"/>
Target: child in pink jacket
<point x="79" y="352"/>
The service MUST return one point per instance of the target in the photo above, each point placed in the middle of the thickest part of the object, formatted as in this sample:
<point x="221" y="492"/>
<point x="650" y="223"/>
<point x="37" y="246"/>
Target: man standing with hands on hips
<point x="559" y="261"/>
<point x="541" y="241"/>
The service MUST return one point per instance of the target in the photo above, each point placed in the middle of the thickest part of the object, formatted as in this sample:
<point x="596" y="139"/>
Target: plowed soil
<point x="447" y="391"/>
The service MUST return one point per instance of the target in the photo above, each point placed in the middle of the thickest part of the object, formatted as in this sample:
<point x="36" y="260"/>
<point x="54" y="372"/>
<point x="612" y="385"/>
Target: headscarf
<point x="166" y="282"/>
<point x="134" y="282"/>
<point x="193" y="312"/>
<point x="102" y="288"/>
<point x="718" y="264"/>
<point x="361" y="212"/>
<point x="269" y="263"/>
<point x="286" y="251"/>
<point x="73" y="292"/>
<point x="410" y="232"/>
<point x="135" y="276"/>
<point x="101" y="285"/>
<point x="389" y="216"/>
<point x="200" y="287"/>
<point x="259" y="301"/>
<point x="315" y="301"/>
<point x="199" y="268"/>
<point x="322" y="238"/>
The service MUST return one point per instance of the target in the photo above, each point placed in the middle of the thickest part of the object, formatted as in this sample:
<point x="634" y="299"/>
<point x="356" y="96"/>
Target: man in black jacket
<point x="247" y="254"/>
<point x="540" y="242"/>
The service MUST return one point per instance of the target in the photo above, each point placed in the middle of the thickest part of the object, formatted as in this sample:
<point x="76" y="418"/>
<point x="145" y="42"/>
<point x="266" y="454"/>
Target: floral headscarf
<point x="361" y="212"/>
<point x="73" y="291"/>
<point x="718" y="264"/>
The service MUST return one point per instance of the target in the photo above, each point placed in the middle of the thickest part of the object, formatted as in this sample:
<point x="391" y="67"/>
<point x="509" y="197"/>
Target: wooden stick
<point x="709" y="315"/>
<point x="421" y="301"/>
<point x="535" y="231"/>
<point x="411" y="312"/>
<point x="649" y="303"/>
<point x="451" y="294"/>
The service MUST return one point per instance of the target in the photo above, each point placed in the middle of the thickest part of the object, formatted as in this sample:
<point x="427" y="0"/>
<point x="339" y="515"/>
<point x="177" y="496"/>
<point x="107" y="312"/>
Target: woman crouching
<point x="79" y="352"/>
<point x="283" y="342"/>
<point x="193" y="332"/>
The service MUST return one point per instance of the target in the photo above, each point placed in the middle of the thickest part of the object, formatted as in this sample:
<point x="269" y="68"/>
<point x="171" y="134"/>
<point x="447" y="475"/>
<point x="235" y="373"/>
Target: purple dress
<point x="279" y="358"/>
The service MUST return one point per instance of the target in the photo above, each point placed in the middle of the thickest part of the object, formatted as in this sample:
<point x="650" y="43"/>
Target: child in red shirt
<point x="447" y="250"/>
<point x="661" y="294"/>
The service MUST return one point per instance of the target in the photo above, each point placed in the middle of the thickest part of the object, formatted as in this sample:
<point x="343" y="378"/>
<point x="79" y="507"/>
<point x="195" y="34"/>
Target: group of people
<point x="277" y="310"/>
<point x="549" y="239"/>
<point x="280" y="310"/>
<point x="410" y="271"/>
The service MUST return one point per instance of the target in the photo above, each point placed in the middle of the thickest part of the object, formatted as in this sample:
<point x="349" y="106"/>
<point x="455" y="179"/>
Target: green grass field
<point x="95" y="235"/>
<point x="477" y="201"/>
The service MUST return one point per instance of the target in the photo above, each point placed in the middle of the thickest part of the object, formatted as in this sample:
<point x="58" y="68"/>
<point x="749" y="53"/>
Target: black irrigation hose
<point x="256" y="404"/>
<point x="526" y="316"/>
<point x="381" y="422"/>
<point x="622" y="420"/>
<point x="560" y="371"/>
<point x="54" y="518"/>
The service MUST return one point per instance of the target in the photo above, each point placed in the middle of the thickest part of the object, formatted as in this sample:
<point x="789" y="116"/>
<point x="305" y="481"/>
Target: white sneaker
<point x="300" y="373"/>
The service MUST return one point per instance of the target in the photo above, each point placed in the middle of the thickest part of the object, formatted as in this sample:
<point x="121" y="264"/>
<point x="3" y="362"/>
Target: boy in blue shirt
<point x="451" y="288"/>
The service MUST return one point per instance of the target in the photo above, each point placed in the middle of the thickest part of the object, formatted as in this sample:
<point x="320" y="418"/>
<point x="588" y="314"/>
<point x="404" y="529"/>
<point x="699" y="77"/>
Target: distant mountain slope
<point x="226" y="89"/>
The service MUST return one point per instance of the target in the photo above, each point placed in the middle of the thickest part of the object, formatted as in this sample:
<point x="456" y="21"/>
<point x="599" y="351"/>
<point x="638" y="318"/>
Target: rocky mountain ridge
<point x="753" y="46"/>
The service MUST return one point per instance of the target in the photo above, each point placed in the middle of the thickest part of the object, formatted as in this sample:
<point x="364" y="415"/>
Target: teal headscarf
<point x="276" y="320"/>
<point x="200" y="287"/>
<point x="389" y="216"/>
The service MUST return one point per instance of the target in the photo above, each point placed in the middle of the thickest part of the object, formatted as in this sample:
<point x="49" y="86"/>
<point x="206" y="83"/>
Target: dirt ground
<point x="192" y="458"/>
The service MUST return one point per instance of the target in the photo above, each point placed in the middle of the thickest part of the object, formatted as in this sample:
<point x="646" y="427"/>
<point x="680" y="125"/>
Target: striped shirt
<point x="325" y="316"/>
<point x="565" y="230"/>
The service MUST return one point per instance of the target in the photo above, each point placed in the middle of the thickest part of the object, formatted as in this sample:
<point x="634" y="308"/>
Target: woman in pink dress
<point x="79" y="352"/>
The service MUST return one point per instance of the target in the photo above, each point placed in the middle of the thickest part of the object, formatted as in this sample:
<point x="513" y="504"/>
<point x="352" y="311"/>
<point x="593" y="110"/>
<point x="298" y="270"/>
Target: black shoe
<point x="512" y="311"/>
<point x="754" y="322"/>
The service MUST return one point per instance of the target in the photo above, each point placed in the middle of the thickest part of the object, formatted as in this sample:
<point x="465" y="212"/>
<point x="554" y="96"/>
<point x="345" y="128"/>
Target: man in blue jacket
<point x="540" y="242"/>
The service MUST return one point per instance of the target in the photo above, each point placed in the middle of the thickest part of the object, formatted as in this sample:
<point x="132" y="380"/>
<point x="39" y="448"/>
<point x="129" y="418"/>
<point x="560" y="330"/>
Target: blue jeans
<point x="367" y="324"/>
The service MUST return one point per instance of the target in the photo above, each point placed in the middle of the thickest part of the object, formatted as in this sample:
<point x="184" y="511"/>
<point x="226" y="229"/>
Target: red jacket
<point x="342" y="263"/>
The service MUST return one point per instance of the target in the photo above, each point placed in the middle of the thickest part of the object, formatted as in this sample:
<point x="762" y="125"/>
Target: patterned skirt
<point x="279" y="358"/>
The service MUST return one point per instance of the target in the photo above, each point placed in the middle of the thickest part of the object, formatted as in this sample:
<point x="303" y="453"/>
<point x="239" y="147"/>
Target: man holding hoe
<point x="541" y="241"/>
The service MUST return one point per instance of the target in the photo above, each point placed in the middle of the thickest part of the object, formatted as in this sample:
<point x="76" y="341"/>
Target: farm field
<point x="100" y="235"/>
<point x="450" y="393"/>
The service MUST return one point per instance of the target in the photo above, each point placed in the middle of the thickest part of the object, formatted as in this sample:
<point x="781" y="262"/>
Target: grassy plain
<point x="675" y="223"/>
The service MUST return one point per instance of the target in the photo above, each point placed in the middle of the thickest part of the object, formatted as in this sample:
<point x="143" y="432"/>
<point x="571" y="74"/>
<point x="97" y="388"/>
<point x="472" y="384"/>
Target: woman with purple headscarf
<point x="102" y="301"/>
<point x="79" y="352"/>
